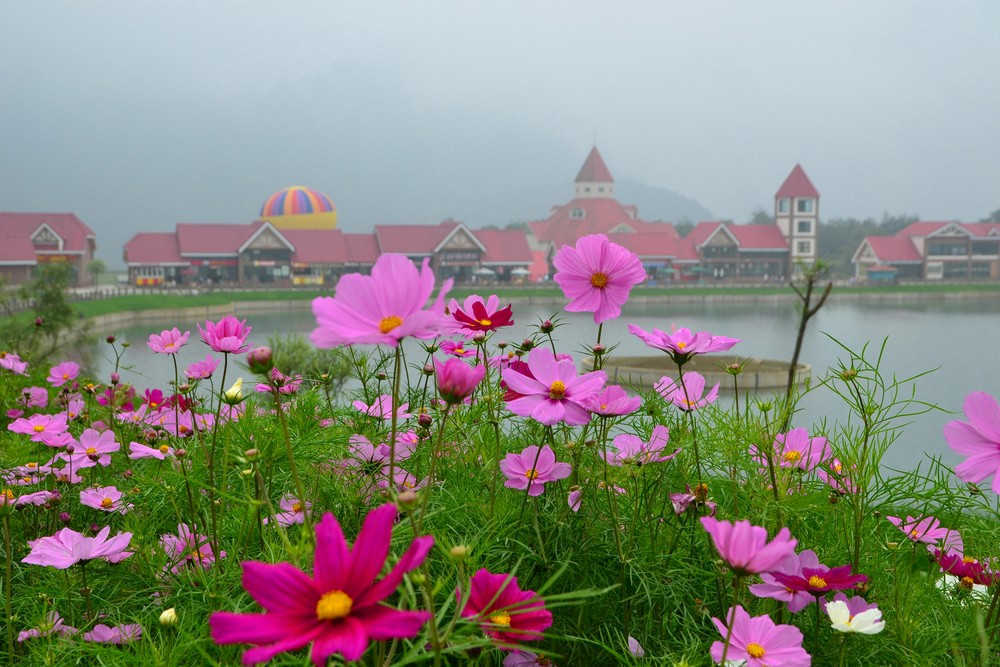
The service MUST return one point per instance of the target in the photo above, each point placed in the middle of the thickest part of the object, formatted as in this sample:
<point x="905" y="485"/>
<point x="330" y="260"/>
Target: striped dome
<point x="296" y="200"/>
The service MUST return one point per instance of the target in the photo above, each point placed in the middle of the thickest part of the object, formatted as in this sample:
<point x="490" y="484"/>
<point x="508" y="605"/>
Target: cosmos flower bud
<point x="260" y="360"/>
<point x="546" y="327"/>
<point x="115" y="378"/>
<point x="168" y="618"/>
<point x="234" y="394"/>
<point x="459" y="552"/>
<point x="479" y="338"/>
<point x="110" y="339"/>
<point x="425" y="420"/>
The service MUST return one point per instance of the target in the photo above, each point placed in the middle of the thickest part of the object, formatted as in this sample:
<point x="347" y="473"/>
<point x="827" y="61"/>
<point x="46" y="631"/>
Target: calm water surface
<point x="957" y="338"/>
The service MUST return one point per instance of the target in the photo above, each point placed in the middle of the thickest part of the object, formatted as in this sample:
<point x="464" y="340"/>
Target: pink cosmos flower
<point x="381" y="407"/>
<point x="796" y="449"/>
<point x="820" y="579"/>
<point x="457" y="349"/>
<point x="201" y="370"/>
<point x="688" y="500"/>
<point x="532" y="468"/>
<point x="188" y="549"/>
<point x="926" y="529"/>
<point x="382" y="308"/>
<point x="68" y="547"/>
<point x="285" y="384"/>
<point x="168" y="341"/>
<point x="505" y="612"/>
<point x="554" y="393"/>
<point x="759" y="642"/>
<point x="745" y="547"/>
<point x="837" y="478"/>
<point x="339" y="608"/>
<point x="53" y="625"/>
<point x="94" y="448"/>
<point x="119" y="634"/>
<point x="968" y="571"/>
<point x="681" y="345"/>
<point x="613" y="402"/>
<point x="105" y="498"/>
<point x="8" y="497"/>
<point x="41" y="428"/>
<point x="63" y="373"/>
<point x="978" y="438"/>
<point x="796" y="600"/>
<point x="34" y="397"/>
<point x="523" y="658"/>
<point x="137" y="450"/>
<point x="629" y="449"/>
<point x="635" y="648"/>
<point x="74" y="409"/>
<point x="596" y="276"/>
<point x="456" y="380"/>
<point x="293" y="511"/>
<point x="478" y="315"/>
<point x="228" y="335"/>
<point x="689" y="395"/>
<point x="13" y="363"/>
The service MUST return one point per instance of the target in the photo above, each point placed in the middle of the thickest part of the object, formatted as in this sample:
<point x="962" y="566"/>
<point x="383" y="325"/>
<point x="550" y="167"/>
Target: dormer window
<point x="577" y="213"/>
<point x="804" y="206"/>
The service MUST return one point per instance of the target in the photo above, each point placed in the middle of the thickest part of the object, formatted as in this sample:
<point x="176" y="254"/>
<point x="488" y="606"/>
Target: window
<point x="600" y="189"/>
<point x="803" y="248"/>
<point x="783" y="206"/>
<point x="804" y="206"/>
<point x="577" y="214"/>
<point x="804" y="226"/>
<point x="587" y="189"/>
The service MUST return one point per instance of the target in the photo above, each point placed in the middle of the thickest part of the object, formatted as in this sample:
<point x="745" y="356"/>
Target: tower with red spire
<point x="796" y="211"/>
<point x="594" y="180"/>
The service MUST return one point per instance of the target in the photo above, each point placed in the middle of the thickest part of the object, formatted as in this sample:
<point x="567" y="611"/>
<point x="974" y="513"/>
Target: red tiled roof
<point x="213" y="239"/>
<point x="893" y="249"/>
<point x="412" y="239"/>
<point x="759" y="237"/>
<point x="153" y="248"/>
<point x="317" y="246"/>
<point x="504" y="246"/>
<point x="797" y="185"/>
<point x="72" y="230"/>
<point x="594" y="170"/>
<point x="600" y="216"/>
<point x="982" y="229"/>
<point x="16" y="250"/>
<point x="702" y="232"/>
<point x="651" y="245"/>
<point x="361" y="248"/>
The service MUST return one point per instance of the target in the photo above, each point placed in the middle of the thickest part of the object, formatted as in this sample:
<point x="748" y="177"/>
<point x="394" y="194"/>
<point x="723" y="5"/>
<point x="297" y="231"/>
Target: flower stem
<point x="732" y="618"/>
<point x="392" y="437"/>
<point x="435" y="453"/>
<point x="299" y="489"/>
<point x="8" y="581"/>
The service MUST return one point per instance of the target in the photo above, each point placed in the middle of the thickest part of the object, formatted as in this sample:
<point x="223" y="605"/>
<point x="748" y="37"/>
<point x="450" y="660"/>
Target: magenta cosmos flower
<point x="168" y="341"/>
<point x="689" y="395"/>
<point x="681" y="345"/>
<point x="188" y="549"/>
<point x="770" y="588"/>
<point x="745" y="547"/>
<point x="926" y="529"/>
<point x="339" y="608"/>
<point x="554" y="393"/>
<point x="68" y="547"/>
<point x="63" y="373"/>
<point x="381" y="407"/>
<point x="596" y="276"/>
<point x="978" y="438"/>
<point x="228" y="335"/>
<point x="13" y="363"/>
<point x="456" y="380"/>
<point x="820" y="579"/>
<point x="203" y="369"/>
<point x="478" y="315"/>
<point x="759" y="642"/>
<point x="796" y="449"/>
<point x="380" y="309"/>
<point x="532" y="468"/>
<point x="505" y="612"/>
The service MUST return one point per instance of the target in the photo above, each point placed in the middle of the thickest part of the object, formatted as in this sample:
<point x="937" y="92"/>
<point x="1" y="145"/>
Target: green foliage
<point x="839" y="238"/>
<point x="293" y="354"/>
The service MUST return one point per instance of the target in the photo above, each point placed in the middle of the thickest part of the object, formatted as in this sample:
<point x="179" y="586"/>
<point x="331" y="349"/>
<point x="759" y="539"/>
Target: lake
<point x="958" y="338"/>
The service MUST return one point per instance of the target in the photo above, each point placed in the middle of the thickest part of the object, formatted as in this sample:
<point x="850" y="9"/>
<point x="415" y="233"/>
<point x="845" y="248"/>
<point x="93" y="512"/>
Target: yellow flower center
<point x="106" y="503"/>
<point x="501" y="618"/>
<point x="966" y="583"/>
<point x="968" y="560"/>
<point x="33" y="464"/>
<point x="388" y="324"/>
<point x="65" y="376"/>
<point x="38" y="428"/>
<point x="459" y="351"/>
<point x="297" y="507"/>
<point x="913" y="533"/>
<point x="599" y="280"/>
<point x="755" y="650"/>
<point x="153" y="404"/>
<point x="7" y="496"/>
<point x="681" y="345"/>
<point x="333" y="606"/>
<point x="793" y="456"/>
<point x="557" y="390"/>
<point x="485" y="322"/>
<point x="531" y="473"/>
<point x="91" y="450"/>
<point x="817" y="582"/>
<point x="168" y="345"/>
<point x="164" y="449"/>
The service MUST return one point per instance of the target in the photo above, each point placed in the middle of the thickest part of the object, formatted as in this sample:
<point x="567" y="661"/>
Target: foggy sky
<point x="139" y="115"/>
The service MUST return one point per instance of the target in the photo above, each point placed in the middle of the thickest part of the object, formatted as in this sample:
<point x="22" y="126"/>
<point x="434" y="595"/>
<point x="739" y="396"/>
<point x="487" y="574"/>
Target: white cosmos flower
<point x="868" y="622"/>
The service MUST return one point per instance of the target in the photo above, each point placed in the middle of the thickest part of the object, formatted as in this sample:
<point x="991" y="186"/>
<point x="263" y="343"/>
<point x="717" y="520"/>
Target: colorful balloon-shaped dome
<point x="296" y="200"/>
<point x="300" y="207"/>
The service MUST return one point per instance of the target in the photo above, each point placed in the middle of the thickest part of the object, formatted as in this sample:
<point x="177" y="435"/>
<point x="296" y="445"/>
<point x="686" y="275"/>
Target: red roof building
<point x="740" y="252"/>
<point x="933" y="251"/>
<point x="30" y="239"/>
